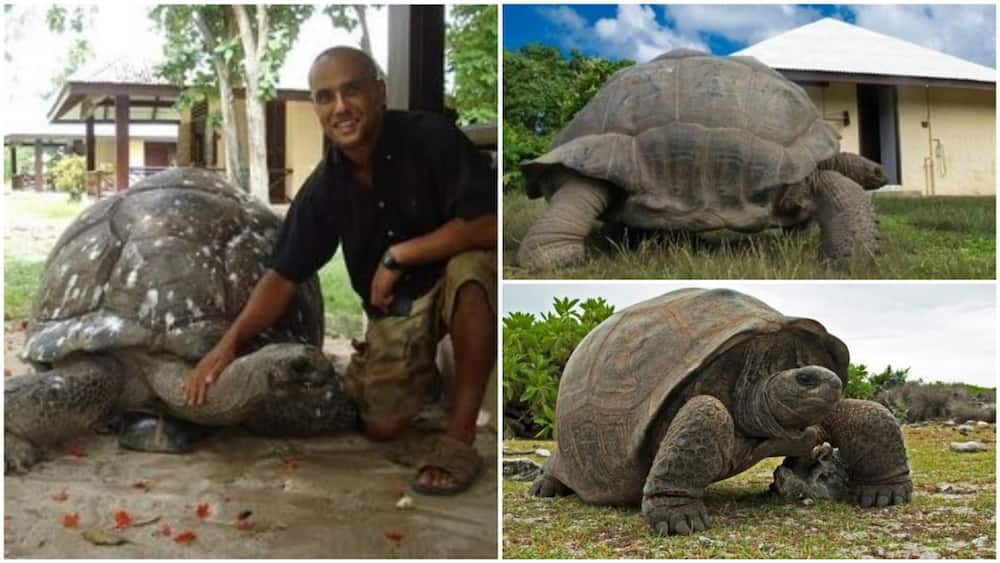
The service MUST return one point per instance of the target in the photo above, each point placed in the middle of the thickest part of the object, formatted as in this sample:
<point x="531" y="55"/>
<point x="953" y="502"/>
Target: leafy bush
<point x="542" y="92"/>
<point x="69" y="175"/>
<point x="535" y="351"/>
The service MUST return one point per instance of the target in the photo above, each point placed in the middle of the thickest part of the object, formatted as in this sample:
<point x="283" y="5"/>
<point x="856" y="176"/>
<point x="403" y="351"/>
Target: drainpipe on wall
<point x="930" y="144"/>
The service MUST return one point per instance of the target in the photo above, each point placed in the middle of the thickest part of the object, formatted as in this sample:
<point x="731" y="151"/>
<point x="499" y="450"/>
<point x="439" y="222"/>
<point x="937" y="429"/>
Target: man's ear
<point x="380" y="88"/>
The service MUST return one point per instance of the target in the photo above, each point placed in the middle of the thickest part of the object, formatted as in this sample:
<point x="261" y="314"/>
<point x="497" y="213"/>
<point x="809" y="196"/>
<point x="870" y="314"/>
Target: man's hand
<point x="382" y="285"/>
<point x="207" y="372"/>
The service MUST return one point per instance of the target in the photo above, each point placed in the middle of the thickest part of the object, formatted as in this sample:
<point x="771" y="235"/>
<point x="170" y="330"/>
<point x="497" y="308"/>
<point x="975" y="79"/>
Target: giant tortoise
<point x="675" y="393"/>
<point x="137" y="289"/>
<point x="691" y="142"/>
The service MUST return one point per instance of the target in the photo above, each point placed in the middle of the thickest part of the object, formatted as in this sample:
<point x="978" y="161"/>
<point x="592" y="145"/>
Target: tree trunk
<point x="227" y="102"/>
<point x="253" y="48"/>
<point x="366" y="44"/>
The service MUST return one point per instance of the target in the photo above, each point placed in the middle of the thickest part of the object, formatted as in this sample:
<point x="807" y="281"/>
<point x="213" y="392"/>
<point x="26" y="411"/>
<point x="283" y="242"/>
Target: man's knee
<point x="472" y="296"/>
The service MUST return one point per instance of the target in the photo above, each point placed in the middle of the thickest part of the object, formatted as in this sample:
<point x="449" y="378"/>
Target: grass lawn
<point x="47" y="206"/>
<point x="749" y="524"/>
<point x="922" y="238"/>
<point x="342" y="306"/>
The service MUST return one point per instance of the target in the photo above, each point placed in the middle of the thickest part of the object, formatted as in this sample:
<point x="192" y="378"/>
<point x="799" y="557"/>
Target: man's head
<point x="348" y="96"/>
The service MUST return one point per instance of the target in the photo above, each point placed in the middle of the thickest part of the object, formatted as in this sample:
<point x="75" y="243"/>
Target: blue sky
<point x="640" y="32"/>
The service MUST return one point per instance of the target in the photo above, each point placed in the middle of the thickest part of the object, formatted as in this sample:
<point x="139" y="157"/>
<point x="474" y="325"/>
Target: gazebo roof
<point x="833" y="50"/>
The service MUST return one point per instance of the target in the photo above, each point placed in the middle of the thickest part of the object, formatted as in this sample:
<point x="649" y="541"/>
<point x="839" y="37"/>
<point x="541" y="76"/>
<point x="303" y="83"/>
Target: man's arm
<point x="267" y="302"/>
<point x="454" y="237"/>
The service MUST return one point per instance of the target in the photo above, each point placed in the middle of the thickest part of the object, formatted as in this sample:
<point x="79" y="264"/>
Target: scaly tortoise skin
<point x="683" y="390"/>
<point x="137" y="289"/>
<point x="692" y="142"/>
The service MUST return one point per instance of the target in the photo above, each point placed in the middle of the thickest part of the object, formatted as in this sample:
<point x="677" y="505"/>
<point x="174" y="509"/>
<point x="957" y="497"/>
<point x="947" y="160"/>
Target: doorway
<point x="878" y="127"/>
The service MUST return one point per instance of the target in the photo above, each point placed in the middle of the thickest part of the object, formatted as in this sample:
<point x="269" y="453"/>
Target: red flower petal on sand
<point x="244" y="524"/>
<point x="70" y="520"/>
<point x="185" y="537"/>
<point x="122" y="519"/>
<point x="166" y="531"/>
<point x="203" y="510"/>
<point x="77" y="451"/>
<point x="60" y="496"/>
<point x="394" y="535"/>
<point x="142" y="485"/>
<point x="289" y="464"/>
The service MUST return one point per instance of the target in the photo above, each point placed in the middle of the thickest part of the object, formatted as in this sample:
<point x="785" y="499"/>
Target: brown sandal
<point x="454" y="457"/>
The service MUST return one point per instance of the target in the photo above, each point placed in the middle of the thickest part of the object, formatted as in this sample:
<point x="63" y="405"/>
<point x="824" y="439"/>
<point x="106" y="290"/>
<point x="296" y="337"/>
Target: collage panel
<point x="250" y="281"/>
<point x="691" y="141"/>
<point x="717" y="420"/>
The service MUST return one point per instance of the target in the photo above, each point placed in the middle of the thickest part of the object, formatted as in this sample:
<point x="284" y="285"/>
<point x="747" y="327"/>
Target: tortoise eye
<point x="807" y="379"/>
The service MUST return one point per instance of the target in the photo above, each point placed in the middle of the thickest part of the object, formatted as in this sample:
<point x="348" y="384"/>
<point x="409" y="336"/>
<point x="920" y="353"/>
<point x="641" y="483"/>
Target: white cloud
<point x="943" y="332"/>
<point x="633" y="33"/>
<point x="739" y="23"/>
<point x="963" y="31"/>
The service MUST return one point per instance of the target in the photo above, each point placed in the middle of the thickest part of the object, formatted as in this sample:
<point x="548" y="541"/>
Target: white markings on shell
<point x="68" y="293"/>
<point x="146" y="218"/>
<point x="132" y="277"/>
<point x="149" y="303"/>
<point x="169" y="319"/>
<point x="234" y="277"/>
<point x="195" y="311"/>
<point x="170" y="295"/>
<point x="96" y="298"/>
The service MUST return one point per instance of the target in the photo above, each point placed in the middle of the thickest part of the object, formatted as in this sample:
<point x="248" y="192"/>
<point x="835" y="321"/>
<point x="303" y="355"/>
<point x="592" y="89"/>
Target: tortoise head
<point x="788" y="383"/>
<point x="801" y="397"/>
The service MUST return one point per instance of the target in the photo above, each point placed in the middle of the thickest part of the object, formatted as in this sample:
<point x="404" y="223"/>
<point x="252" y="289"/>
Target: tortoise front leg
<point x="872" y="448"/>
<point x="696" y="451"/>
<point x="556" y="239"/>
<point x="845" y="215"/>
<point x="48" y="408"/>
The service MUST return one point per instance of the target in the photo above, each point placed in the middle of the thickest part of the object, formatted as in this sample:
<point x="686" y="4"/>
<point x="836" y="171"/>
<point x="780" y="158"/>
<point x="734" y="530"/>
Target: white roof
<point x="831" y="45"/>
<point x="46" y="130"/>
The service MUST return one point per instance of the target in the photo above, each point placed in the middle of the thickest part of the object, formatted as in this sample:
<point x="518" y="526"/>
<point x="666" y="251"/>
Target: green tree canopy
<point x="471" y="49"/>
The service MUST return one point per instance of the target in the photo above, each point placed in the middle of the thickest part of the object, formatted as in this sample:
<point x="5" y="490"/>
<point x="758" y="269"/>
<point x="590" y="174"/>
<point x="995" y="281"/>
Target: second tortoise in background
<point x="692" y="142"/>
<point x="695" y="386"/>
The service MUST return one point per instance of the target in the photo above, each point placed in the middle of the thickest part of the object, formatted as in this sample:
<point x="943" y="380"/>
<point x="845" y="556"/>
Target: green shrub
<point x="69" y="175"/>
<point x="535" y="351"/>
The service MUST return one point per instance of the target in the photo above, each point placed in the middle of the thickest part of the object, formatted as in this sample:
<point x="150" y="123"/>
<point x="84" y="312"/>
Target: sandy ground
<point x="317" y="498"/>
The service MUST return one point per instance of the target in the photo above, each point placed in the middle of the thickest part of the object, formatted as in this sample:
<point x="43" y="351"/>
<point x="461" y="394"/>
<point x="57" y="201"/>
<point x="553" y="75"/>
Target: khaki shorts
<point x="391" y="373"/>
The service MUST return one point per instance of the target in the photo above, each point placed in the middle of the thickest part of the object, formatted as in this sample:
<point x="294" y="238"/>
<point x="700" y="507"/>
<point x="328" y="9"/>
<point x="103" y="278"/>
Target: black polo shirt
<point x="426" y="173"/>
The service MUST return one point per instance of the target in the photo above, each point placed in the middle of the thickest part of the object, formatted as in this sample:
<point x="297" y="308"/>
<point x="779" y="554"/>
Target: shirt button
<point x="381" y="204"/>
<point x="390" y="233"/>
<point x="388" y="157"/>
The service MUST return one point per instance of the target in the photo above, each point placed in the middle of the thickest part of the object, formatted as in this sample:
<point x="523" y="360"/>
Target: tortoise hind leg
<point x="846" y="217"/>
<point x="871" y="446"/>
<point x="51" y="407"/>
<point x="557" y="238"/>
<point x="696" y="451"/>
<point x="545" y="485"/>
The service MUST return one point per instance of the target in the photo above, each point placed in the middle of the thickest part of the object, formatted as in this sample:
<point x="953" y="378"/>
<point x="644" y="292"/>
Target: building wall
<point x="303" y="143"/>
<point x="104" y="153"/>
<point x="831" y="101"/>
<point x="964" y="121"/>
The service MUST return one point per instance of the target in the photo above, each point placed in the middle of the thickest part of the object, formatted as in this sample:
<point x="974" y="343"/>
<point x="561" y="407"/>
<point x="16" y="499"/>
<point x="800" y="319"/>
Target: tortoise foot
<point x="159" y="434"/>
<point x="676" y="515"/>
<point x="548" y="486"/>
<point x="882" y="495"/>
<point x="19" y="455"/>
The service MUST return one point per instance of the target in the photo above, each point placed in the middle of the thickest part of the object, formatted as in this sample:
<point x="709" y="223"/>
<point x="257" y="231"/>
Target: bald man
<point x="413" y="205"/>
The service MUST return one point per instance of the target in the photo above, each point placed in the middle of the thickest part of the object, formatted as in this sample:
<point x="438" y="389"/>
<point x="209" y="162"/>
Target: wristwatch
<point x="390" y="262"/>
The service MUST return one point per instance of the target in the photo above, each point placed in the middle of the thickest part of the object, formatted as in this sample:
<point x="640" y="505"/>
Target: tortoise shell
<point x="694" y="142"/>
<point x="164" y="266"/>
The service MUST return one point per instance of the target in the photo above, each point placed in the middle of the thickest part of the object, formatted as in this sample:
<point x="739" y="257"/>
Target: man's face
<point x="347" y="99"/>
